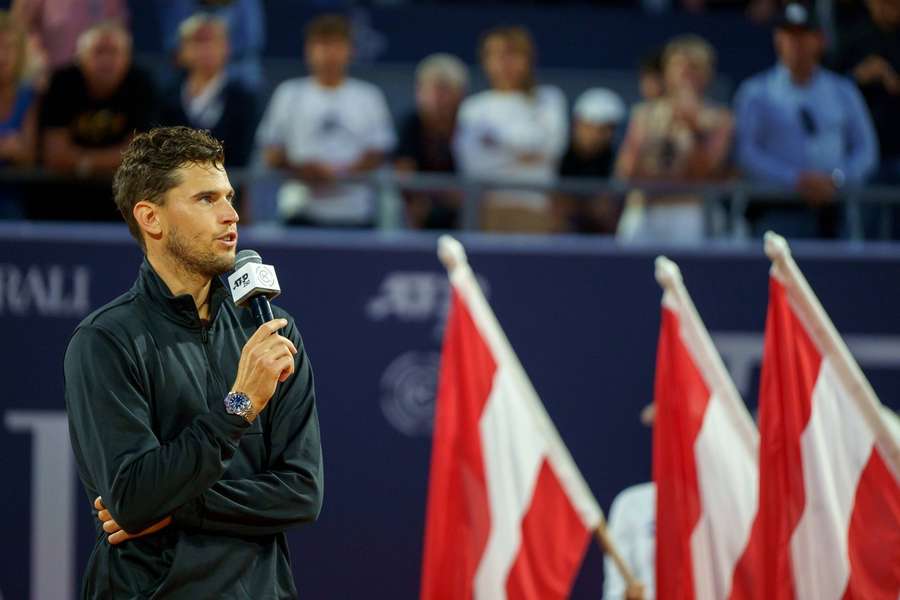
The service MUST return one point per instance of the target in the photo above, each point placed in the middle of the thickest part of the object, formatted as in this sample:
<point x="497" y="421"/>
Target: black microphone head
<point x="246" y="256"/>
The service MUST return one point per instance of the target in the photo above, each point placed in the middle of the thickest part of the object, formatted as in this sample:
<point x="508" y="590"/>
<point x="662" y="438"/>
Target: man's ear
<point x="148" y="218"/>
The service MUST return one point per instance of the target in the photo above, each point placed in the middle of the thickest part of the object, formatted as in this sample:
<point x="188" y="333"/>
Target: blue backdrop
<point x="582" y="314"/>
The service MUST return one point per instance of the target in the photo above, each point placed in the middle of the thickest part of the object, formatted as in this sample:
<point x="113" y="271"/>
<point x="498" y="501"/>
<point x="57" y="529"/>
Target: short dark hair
<point x="149" y="165"/>
<point x="328" y="26"/>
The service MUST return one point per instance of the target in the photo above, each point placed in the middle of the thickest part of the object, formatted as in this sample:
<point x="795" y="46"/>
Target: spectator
<point x="680" y="137"/>
<point x="632" y="524"/>
<point x="58" y="24"/>
<point x="426" y="139"/>
<point x="208" y="97"/>
<point x="870" y="53"/>
<point x="650" y="77"/>
<point x="17" y="111"/>
<point x="246" y="25"/>
<point x="516" y="131"/>
<point x="598" y="113"/>
<point x="325" y="126"/>
<point x="805" y="128"/>
<point x="89" y="114"/>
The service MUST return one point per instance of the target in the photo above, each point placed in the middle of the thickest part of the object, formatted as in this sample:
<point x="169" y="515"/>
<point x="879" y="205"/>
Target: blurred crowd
<point x="821" y="122"/>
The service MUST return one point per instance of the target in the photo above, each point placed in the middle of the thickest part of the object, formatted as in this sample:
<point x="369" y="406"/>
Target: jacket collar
<point x="180" y="309"/>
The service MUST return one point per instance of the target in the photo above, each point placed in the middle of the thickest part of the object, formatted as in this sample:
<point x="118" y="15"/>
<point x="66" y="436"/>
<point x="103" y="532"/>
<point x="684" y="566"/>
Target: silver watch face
<point x="237" y="403"/>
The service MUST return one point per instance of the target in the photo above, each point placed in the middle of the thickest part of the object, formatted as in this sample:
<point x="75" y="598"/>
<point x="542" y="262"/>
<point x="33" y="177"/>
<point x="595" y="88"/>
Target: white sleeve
<point x="466" y="143"/>
<point x="548" y="133"/>
<point x="622" y="534"/>
<point x="274" y="124"/>
<point x="381" y="136"/>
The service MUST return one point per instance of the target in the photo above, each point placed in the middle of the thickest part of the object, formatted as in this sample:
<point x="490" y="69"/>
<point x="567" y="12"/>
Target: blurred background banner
<point x="582" y="314"/>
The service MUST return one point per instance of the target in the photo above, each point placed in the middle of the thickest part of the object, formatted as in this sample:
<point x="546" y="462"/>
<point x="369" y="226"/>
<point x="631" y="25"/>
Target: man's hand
<point x="875" y="68"/>
<point x="117" y="535"/>
<point x="816" y="188"/>
<point x="635" y="592"/>
<point x="266" y="360"/>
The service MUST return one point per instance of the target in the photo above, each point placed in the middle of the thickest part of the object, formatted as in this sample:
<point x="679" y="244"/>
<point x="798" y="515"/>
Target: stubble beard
<point x="198" y="261"/>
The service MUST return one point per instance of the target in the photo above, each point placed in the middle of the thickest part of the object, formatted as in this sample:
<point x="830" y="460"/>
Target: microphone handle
<point x="261" y="309"/>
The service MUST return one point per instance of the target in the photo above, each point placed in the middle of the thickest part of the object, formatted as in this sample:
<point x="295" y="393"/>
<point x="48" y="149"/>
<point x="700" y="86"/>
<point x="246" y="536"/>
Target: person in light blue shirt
<point x="802" y="127"/>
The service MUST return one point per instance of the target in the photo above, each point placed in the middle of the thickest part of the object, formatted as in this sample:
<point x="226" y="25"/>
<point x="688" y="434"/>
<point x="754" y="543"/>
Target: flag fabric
<point x="704" y="459"/>
<point x="829" y="494"/>
<point x="509" y="514"/>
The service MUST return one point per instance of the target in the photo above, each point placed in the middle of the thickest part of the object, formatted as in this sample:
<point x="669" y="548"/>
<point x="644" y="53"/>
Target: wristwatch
<point x="238" y="403"/>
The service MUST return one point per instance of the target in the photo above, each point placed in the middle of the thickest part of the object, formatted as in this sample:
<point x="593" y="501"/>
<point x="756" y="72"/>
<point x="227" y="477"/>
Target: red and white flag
<point x="829" y="457"/>
<point x="509" y="514"/>
<point x="704" y="458"/>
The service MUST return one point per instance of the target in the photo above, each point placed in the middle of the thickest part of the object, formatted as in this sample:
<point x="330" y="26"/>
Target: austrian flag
<point x="829" y="516"/>
<point x="509" y="514"/>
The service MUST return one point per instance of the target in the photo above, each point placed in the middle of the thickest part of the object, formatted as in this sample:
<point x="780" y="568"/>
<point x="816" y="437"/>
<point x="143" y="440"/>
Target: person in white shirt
<point x="516" y="131"/>
<point x="632" y="527"/>
<point x="323" y="127"/>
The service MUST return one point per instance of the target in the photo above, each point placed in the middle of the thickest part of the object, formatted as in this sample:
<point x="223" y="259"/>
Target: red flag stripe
<point x="551" y="550"/>
<point x="791" y="365"/>
<point x="458" y="515"/>
<point x="681" y="398"/>
<point x="874" y="537"/>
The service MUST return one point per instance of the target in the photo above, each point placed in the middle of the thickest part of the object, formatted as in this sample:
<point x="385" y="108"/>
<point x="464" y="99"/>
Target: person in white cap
<point x="598" y="113"/>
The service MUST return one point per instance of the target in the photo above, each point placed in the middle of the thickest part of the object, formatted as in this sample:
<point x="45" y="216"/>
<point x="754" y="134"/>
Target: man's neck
<point x="330" y="81"/>
<point x="180" y="281"/>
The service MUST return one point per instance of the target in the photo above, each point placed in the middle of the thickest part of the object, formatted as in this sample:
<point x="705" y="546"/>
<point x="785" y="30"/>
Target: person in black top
<point x="598" y="112"/>
<point x="870" y="53"/>
<point x="195" y="431"/>
<point x="87" y="117"/>
<point x="207" y="97"/>
<point x="426" y="138"/>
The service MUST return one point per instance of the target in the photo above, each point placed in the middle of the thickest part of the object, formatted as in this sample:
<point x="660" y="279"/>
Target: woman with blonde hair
<point x="680" y="137"/>
<point x="515" y="131"/>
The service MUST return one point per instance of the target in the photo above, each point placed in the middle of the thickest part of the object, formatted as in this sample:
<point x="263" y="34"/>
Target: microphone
<point x="253" y="284"/>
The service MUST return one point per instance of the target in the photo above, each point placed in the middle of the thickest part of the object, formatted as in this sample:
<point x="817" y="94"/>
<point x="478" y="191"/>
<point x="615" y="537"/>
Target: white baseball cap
<point x="600" y="106"/>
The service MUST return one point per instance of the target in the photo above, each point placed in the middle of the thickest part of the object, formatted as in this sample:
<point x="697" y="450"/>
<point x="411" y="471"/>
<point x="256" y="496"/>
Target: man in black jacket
<point x="195" y="430"/>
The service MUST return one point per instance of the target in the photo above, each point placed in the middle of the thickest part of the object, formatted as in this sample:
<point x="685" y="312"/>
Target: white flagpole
<point x="453" y="256"/>
<point x="829" y="341"/>
<point x="676" y="296"/>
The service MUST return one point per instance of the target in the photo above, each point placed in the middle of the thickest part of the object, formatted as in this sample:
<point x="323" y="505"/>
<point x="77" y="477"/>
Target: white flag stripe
<point x="831" y="346"/>
<point x="707" y="359"/>
<point x="564" y="467"/>
<point x="513" y="450"/>
<point x="725" y="452"/>
<point x="727" y="477"/>
<point x="835" y="447"/>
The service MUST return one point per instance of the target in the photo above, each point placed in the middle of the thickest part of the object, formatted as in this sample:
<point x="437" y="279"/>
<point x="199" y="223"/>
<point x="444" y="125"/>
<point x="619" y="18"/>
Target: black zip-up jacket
<point x="145" y="383"/>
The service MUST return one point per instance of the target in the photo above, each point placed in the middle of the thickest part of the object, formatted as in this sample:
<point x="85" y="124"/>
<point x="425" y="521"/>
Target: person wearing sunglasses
<point x="803" y="128"/>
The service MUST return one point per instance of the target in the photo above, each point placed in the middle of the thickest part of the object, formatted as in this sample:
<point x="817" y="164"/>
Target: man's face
<point x="799" y="49"/>
<point x="106" y="60"/>
<point x="328" y="56"/>
<point x="198" y="221"/>
<point x="206" y="50"/>
<point x="507" y="67"/>
<point x="591" y="138"/>
<point x="438" y="97"/>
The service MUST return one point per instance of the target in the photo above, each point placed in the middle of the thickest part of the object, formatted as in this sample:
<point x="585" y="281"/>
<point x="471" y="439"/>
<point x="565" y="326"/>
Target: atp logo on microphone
<point x="251" y="280"/>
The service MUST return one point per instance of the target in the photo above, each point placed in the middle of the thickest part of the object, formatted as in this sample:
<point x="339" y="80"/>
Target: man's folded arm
<point x="289" y="492"/>
<point x="140" y="479"/>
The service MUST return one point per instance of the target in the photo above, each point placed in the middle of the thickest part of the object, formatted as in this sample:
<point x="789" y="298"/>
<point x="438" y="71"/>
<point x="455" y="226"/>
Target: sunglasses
<point x="808" y="121"/>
